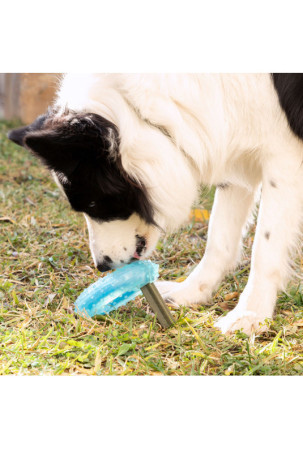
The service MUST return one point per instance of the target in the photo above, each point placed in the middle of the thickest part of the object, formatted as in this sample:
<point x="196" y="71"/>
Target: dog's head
<point x="82" y="152"/>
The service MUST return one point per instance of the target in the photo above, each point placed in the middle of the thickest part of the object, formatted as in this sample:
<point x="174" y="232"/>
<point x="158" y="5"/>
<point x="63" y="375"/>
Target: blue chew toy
<point x="121" y="286"/>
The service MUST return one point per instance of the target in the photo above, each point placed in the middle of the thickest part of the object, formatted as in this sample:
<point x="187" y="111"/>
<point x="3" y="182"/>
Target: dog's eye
<point x="92" y="204"/>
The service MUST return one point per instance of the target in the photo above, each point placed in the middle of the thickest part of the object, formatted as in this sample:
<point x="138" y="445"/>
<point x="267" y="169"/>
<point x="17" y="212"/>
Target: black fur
<point x="289" y="87"/>
<point x="78" y="147"/>
<point x="19" y="134"/>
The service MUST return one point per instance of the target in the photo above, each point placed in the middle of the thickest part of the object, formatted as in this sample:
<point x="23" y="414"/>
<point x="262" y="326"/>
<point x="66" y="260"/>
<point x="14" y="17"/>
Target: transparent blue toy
<point x="121" y="286"/>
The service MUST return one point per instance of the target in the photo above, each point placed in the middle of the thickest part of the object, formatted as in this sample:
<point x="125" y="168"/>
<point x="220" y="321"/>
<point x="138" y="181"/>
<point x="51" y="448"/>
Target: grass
<point x="45" y="264"/>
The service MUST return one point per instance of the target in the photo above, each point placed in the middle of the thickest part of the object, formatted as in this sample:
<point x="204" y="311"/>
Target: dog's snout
<point x="105" y="264"/>
<point x="140" y="244"/>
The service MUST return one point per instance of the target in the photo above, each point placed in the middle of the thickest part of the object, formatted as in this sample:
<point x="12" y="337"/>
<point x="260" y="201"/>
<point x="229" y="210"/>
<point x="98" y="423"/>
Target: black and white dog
<point x="131" y="151"/>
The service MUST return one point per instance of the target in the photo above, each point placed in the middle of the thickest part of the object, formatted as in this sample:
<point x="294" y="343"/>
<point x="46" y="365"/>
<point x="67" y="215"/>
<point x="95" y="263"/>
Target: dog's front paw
<point x="246" y="321"/>
<point x="184" y="293"/>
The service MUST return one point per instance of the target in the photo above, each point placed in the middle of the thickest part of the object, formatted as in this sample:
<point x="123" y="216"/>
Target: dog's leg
<point x="229" y="214"/>
<point x="277" y="233"/>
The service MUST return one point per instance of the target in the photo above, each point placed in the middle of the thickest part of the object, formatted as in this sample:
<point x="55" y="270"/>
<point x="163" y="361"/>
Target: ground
<point x="45" y="264"/>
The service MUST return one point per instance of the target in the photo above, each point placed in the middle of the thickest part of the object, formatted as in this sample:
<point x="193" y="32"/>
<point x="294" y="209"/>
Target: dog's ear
<point x="18" y="134"/>
<point x="63" y="143"/>
<point x="51" y="147"/>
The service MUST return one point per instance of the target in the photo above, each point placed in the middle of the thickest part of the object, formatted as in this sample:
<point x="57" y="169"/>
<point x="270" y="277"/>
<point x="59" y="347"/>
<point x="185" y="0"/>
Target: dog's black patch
<point x="273" y="184"/>
<point x="289" y="87"/>
<point x="222" y="185"/>
<point x="83" y="151"/>
<point x="267" y="235"/>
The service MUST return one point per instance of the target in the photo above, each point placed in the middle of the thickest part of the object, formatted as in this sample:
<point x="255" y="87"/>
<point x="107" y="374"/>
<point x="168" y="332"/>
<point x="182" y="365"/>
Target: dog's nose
<point x="105" y="264"/>
<point x="140" y="244"/>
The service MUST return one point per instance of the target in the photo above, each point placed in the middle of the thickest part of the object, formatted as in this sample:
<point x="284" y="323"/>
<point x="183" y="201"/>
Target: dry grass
<point x="45" y="264"/>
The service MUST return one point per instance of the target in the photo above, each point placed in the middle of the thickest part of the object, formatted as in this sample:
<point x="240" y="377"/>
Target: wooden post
<point x="2" y="94"/>
<point x="37" y="92"/>
<point x="25" y="96"/>
<point x="11" y="95"/>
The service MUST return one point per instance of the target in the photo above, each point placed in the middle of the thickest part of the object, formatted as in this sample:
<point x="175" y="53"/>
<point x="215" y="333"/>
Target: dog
<point x="131" y="151"/>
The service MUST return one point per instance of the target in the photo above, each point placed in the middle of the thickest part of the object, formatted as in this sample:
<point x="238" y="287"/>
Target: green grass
<point x="45" y="264"/>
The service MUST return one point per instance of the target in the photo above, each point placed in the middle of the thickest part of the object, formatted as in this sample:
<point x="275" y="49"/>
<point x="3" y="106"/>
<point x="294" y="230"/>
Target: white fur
<point x="218" y="129"/>
<point x="117" y="238"/>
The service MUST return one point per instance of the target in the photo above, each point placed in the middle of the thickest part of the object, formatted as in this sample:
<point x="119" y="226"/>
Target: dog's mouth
<point x="140" y="247"/>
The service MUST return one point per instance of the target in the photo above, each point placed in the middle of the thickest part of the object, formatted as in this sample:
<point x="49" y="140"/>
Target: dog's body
<point x="131" y="152"/>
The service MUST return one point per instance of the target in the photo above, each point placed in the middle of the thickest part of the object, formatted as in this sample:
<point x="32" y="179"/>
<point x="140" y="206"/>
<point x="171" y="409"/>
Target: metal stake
<point x="158" y="305"/>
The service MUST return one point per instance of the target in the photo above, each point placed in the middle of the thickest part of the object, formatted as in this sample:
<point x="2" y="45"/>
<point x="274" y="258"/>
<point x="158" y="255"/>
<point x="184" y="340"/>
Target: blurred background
<point x="24" y="96"/>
